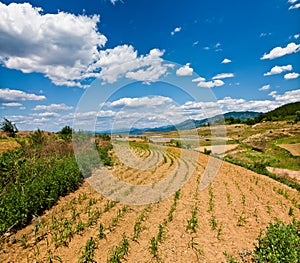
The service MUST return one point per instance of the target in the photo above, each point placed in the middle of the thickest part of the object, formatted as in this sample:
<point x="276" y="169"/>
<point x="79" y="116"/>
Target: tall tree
<point x="8" y="127"/>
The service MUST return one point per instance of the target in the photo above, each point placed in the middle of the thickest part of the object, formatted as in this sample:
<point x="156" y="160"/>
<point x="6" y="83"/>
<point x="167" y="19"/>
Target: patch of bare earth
<point x="294" y="148"/>
<point x="230" y="214"/>
<point x="285" y="173"/>
<point x="218" y="149"/>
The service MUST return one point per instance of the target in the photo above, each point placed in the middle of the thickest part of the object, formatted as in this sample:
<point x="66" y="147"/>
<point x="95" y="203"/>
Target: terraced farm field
<point x="190" y="225"/>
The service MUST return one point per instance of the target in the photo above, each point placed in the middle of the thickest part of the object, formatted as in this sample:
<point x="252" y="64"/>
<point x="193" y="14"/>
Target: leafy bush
<point x="35" y="175"/>
<point x="36" y="187"/>
<point x="66" y="133"/>
<point x="32" y="180"/>
<point x="206" y="151"/>
<point x="280" y="243"/>
<point x="8" y="127"/>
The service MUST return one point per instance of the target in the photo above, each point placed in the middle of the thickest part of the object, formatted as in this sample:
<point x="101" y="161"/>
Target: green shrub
<point x="33" y="178"/>
<point x="280" y="243"/>
<point x="37" y="187"/>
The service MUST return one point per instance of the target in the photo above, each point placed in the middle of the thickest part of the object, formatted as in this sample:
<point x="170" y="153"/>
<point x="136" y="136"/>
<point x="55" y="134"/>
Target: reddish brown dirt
<point x="239" y="201"/>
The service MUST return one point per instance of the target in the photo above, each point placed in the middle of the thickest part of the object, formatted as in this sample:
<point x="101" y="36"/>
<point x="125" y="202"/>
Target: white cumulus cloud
<point x="223" y="76"/>
<point x="185" y="70"/>
<point x="199" y="79"/>
<point x="278" y="69"/>
<point x="12" y="104"/>
<point x="293" y="75"/>
<point x="124" y="61"/>
<point x="176" y="30"/>
<point x="265" y="87"/>
<point x="62" y="46"/>
<point x="210" y="84"/>
<point x="140" y="102"/>
<point x="279" y="51"/>
<point x="53" y="107"/>
<point x="11" y="95"/>
<point x="67" y="48"/>
<point x="287" y="97"/>
<point x="294" y="6"/>
<point x="226" y="60"/>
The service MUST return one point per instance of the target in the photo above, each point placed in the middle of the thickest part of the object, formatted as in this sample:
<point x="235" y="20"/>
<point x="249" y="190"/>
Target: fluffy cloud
<point x="176" y="30"/>
<point x="225" y="61"/>
<point x="140" y="102"/>
<point x="53" y="107"/>
<point x="210" y="84"/>
<point x="296" y="36"/>
<point x="278" y="69"/>
<point x="10" y="95"/>
<point x="185" y="70"/>
<point x="151" y="112"/>
<point x="287" y="97"/>
<point x="195" y="43"/>
<point x="45" y="114"/>
<point x="61" y="45"/>
<point x="291" y="75"/>
<point x="199" y="79"/>
<point x="294" y="6"/>
<point x="12" y="104"/>
<point x="66" y="48"/>
<point x="265" y="87"/>
<point x="223" y="76"/>
<point x="124" y="61"/>
<point x="292" y="1"/>
<point x="279" y="51"/>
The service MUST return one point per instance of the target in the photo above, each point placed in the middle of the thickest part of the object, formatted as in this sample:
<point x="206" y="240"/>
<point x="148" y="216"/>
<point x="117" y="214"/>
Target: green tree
<point x="297" y="117"/>
<point x="66" y="133"/>
<point x="8" y="127"/>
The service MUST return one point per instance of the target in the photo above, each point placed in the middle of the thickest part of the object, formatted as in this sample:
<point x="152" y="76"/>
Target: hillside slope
<point x="229" y="215"/>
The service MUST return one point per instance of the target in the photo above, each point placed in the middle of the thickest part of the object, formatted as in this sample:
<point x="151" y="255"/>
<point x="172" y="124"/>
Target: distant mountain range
<point x="189" y="124"/>
<point x="284" y="112"/>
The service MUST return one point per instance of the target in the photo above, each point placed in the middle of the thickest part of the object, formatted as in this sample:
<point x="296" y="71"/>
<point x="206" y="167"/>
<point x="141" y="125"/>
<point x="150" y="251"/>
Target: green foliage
<point x="88" y="252"/>
<point x="229" y="258"/>
<point x="37" y="139"/>
<point x="101" y="234"/>
<point x="260" y="167"/>
<point x="119" y="252"/>
<point x="285" y="112"/>
<point x="232" y="120"/>
<point x="176" y="142"/>
<point x="280" y="113"/>
<point x="297" y="117"/>
<point x="9" y="128"/>
<point x="154" y="246"/>
<point x="104" y="154"/>
<point x="192" y="223"/>
<point x="280" y="243"/>
<point x="32" y="180"/>
<point x="66" y="133"/>
<point x="208" y="152"/>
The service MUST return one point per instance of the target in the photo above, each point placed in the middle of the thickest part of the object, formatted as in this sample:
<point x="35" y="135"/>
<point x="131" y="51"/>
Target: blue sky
<point x="243" y="55"/>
